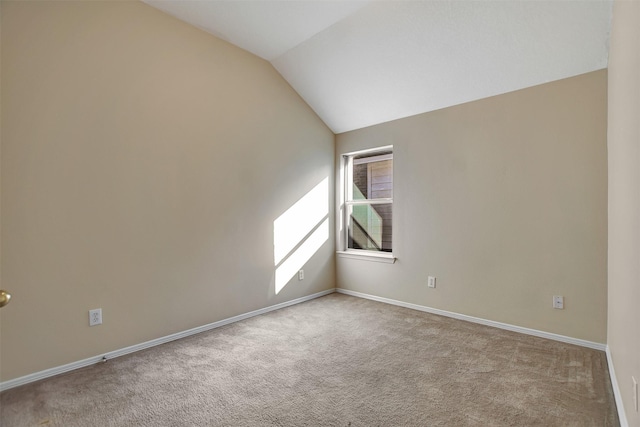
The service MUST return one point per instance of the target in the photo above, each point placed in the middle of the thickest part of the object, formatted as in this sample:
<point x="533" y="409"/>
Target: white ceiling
<point x="360" y="63"/>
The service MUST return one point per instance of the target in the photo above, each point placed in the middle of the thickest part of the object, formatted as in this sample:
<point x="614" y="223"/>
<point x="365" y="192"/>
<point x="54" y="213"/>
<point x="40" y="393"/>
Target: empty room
<point x="319" y="213"/>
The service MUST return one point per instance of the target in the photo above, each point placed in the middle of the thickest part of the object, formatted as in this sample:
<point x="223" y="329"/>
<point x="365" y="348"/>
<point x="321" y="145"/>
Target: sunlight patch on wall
<point x="297" y="259"/>
<point x="300" y="232"/>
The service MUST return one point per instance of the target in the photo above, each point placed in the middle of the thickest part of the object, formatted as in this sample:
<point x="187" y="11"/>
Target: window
<point x="368" y="202"/>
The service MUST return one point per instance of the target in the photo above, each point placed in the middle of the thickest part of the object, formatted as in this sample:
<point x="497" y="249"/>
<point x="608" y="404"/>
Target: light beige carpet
<point x="333" y="361"/>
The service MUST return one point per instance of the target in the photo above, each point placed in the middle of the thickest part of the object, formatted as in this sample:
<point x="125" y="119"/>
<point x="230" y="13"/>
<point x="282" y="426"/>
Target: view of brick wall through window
<point x="371" y="226"/>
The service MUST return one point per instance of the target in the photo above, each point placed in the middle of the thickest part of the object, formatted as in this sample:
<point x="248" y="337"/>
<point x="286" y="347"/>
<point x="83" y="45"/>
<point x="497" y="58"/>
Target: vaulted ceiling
<point x="360" y="63"/>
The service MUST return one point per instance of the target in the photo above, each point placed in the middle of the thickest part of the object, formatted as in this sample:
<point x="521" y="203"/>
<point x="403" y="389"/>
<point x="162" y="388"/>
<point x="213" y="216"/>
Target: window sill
<point x="368" y="256"/>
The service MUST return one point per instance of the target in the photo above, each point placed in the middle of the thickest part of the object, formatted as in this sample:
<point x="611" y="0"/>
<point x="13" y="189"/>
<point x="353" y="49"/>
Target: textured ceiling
<point x="265" y="28"/>
<point x="362" y="63"/>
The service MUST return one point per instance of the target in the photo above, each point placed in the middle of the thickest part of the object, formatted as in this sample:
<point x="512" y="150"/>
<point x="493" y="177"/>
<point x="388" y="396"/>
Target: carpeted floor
<point x="332" y="361"/>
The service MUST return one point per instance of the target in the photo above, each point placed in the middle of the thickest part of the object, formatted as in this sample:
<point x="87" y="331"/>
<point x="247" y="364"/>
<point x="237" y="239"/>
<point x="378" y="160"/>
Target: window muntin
<point x="369" y="201"/>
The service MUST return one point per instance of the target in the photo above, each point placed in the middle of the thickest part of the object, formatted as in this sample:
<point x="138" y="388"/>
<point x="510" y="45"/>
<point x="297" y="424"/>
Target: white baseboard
<point x="616" y="391"/>
<point x="508" y="327"/>
<point x="6" y="385"/>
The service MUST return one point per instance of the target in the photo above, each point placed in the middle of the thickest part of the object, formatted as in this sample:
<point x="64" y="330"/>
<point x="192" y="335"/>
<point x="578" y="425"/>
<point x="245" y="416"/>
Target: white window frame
<point x="346" y="199"/>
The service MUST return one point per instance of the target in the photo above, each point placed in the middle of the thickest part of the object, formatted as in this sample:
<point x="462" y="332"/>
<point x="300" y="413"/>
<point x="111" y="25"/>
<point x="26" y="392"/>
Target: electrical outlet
<point x="558" y="302"/>
<point x="95" y="317"/>
<point x="635" y="392"/>
<point x="431" y="282"/>
<point x="301" y="275"/>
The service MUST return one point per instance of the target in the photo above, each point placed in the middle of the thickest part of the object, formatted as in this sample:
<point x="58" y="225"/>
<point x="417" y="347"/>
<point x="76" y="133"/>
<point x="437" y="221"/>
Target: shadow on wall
<point x="300" y="232"/>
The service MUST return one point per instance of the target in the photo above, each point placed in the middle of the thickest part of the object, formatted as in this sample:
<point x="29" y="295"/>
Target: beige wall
<point x="143" y="164"/>
<point x="624" y="200"/>
<point x="504" y="200"/>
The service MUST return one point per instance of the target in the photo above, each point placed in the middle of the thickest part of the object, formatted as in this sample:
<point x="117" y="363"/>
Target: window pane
<point x="372" y="177"/>
<point x="370" y="227"/>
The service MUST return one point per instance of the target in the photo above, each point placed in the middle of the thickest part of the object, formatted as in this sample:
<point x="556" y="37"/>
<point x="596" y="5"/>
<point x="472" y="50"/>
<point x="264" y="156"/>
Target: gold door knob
<point x="5" y="297"/>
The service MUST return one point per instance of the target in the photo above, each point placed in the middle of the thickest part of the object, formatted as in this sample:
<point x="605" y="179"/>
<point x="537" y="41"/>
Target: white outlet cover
<point x="431" y="282"/>
<point x="95" y="317"/>
<point x="558" y="302"/>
